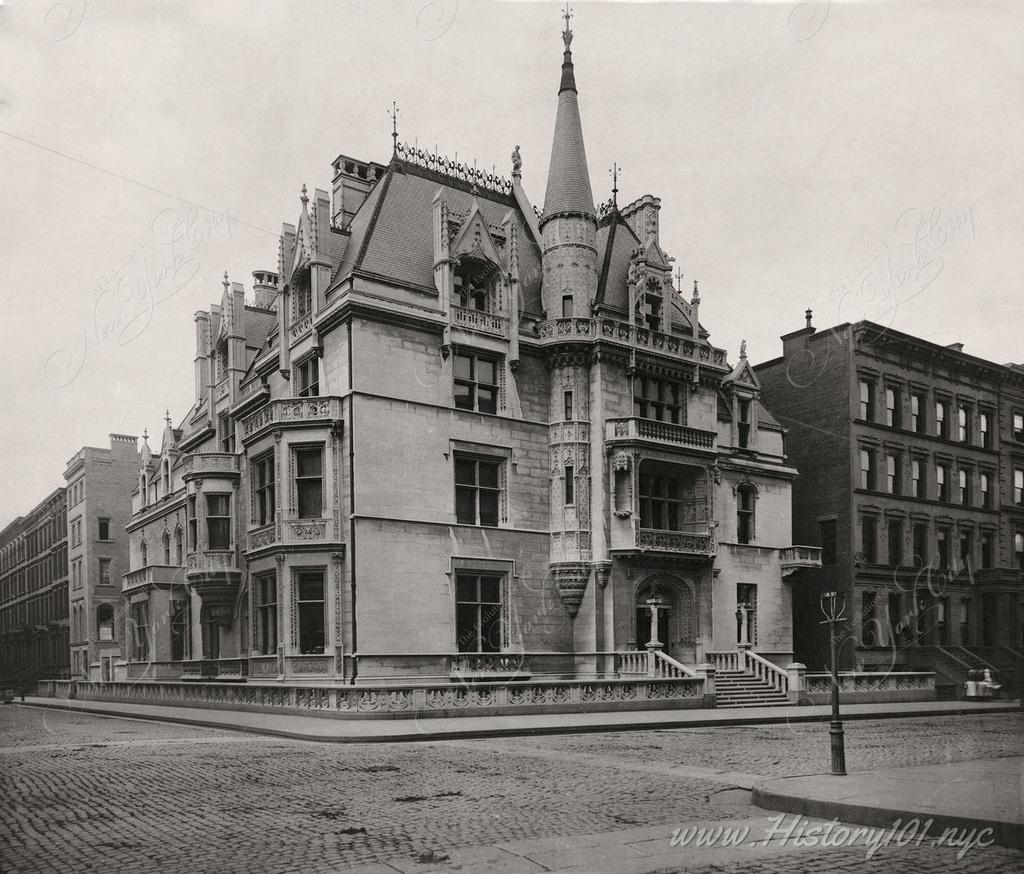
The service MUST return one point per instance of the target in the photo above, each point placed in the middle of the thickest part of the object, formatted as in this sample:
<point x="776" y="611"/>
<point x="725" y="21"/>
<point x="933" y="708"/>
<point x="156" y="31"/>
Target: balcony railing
<point x="215" y="669"/>
<point x="632" y="335"/>
<point x="211" y="463"/>
<point x="290" y="412"/>
<point x="657" y="540"/>
<point x="795" y="557"/>
<point x="292" y="531"/>
<point x="479" y="322"/>
<point x="650" y="430"/>
<point x="154" y="574"/>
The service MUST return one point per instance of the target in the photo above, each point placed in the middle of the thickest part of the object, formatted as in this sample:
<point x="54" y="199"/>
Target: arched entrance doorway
<point x="677" y="616"/>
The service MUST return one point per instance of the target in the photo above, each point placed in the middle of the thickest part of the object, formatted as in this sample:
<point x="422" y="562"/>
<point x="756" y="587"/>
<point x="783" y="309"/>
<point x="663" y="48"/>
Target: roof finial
<point x="517" y="162"/>
<point x="567" y="33"/>
<point x="225" y="281"/>
<point x="743" y="350"/>
<point x="393" y="115"/>
<point x="145" y="435"/>
<point x="807" y="316"/>
<point x="167" y="417"/>
<point x="615" y="183"/>
<point x="304" y="197"/>
<point x="679" y="279"/>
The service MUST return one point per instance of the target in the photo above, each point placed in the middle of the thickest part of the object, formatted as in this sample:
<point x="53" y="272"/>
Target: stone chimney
<point x="353" y="180"/>
<point x="264" y="286"/>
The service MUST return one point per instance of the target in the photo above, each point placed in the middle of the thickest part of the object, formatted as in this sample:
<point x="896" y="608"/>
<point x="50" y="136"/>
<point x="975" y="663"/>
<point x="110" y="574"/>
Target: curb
<point x="515" y="731"/>
<point x="1006" y="834"/>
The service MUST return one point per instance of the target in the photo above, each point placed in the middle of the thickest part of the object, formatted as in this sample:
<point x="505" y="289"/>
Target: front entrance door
<point x="643" y="628"/>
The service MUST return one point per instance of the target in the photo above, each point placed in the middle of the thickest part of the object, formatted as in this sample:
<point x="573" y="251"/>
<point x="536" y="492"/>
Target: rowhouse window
<point x="986" y="496"/>
<point x="478" y="613"/>
<point x="104" y="528"/>
<point x="104" y="622"/>
<point x="895" y="535"/>
<point x="264" y="505"/>
<point x="266" y="614"/>
<point x="918" y="480"/>
<point x="965" y="621"/>
<point x="940" y="418"/>
<point x="180" y="630"/>
<point x="867" y="469"/>
<point x="987" y="549"/>
<point x="477" y="490"/>
<point x="218" y="522"/>
<point x="963" y="426"/>
<point x="867" y="400"/>
<point x="309" y="480"/>
<point x="660" y="399"/>
<point x="917" y="407"/>
<point x="745" y="497"/>
<point x="1018" y="427"/>
<point x="104" y="571"/>
<point x="966" y="549"/>
<point x="964" y="487"/>
<point x="476" y="383"/>
<point x="869" y="539"/>
<point x="921" y="544"/>
<point x="312" y="615"/>
<point x="1018" y="550"/>
<point x="140" y="632"/>
<point x="1018" y="486"/>
<point x="983" y="430"/>
<point x="869" y="633"/>
<point x="942" y="547"/>
<point x="892" y="474"/>
<point x="941" y="485"/>
<point x="307" y="382"/>
<point x="892" y="407"/>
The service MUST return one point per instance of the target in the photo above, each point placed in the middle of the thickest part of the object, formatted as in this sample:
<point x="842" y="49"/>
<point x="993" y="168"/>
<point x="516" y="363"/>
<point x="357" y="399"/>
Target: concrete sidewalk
<point x="982" y="800"/>
<point x="325" y="729"/>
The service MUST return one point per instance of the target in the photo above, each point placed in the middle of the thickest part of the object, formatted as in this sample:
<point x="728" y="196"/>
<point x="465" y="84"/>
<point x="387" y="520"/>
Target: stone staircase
<point x="743" y="689"/>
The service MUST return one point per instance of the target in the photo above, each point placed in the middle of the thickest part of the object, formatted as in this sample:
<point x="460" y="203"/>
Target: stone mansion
<point x="455" y="435"/>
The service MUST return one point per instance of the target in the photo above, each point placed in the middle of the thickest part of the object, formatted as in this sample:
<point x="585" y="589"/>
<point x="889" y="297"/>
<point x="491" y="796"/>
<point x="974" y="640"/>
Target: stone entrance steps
<point x="740" y="689"/>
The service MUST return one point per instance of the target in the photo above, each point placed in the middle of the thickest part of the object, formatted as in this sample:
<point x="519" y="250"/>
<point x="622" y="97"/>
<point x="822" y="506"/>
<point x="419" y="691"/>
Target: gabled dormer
<point x="741" y="389"/>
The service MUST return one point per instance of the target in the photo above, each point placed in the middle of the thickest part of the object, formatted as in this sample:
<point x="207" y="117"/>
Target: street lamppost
<point x="833" y="610"/>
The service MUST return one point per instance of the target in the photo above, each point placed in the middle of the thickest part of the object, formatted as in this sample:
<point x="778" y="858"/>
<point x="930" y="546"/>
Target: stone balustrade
<point x="290" y="412"/>
<point x="210" y="464"/>
<point x="795" y="557"/>
<point x="479" y="322"/>
<point x="292" y="531"/>
<point x="682" y="542"/>
<point x="154" y="574"/>
<point x="611" y="330"/>
<point x="660" y="433"/>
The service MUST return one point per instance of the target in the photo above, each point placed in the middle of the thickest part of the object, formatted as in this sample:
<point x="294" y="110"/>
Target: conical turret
<point x="568" y="191"/>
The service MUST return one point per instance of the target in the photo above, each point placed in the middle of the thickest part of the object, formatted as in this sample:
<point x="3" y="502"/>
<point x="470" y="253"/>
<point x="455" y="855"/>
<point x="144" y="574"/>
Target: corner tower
<point x="568" y="228"/>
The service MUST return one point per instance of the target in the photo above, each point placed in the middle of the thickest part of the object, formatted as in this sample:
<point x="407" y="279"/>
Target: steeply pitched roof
<point x="392" y="233"/>
<point x="615" y="243"/>
<point x="568" y="188"/>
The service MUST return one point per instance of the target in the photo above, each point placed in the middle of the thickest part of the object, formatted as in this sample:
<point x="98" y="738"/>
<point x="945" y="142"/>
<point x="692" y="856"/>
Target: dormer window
<point x="743" y="424"/>
<point x="473" y="283"/>
<point x="222" y="358"/>
<point x="652" y="313"/>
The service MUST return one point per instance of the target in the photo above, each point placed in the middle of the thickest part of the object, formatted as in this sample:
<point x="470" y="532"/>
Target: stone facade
<point x="99" y="484"/>
<point x="457" y="436"/>
<point x="907" y="456"/>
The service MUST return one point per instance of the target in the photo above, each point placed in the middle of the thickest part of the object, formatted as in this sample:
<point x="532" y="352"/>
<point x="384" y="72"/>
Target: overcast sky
<point x="860" y="159"/>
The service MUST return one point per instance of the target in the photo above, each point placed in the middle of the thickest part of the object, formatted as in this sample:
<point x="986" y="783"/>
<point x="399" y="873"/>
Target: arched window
<point x="167" y="547"/>
<point x="746" y="495"/>
<point x="178" y="554"/>
<point x="474" y="283"/>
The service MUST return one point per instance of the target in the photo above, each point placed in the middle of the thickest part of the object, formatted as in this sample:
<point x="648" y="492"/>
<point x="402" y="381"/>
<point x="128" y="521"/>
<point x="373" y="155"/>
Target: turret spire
<point x="568" y="190"/>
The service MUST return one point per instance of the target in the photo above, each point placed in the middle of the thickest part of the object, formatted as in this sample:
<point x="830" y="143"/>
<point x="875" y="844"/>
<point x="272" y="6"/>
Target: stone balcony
<point x="663" y="434"/>
<point x="635" y="336"/>
<point x="695" y="542"/>
<point x="479" y="322"/>
<point x="154" y="575"/>
<point x="211" y="464"/>
<point x="290" y="532"/>
<point x="291" y="413"/>
<point x="792" y="558"/>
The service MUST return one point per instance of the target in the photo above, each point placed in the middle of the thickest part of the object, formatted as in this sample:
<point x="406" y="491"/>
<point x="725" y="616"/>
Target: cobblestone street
<point x="85" y="793"/>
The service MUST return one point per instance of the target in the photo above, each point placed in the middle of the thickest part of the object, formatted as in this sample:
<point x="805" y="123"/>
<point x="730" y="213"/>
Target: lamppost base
<point x="838" y="743"/>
